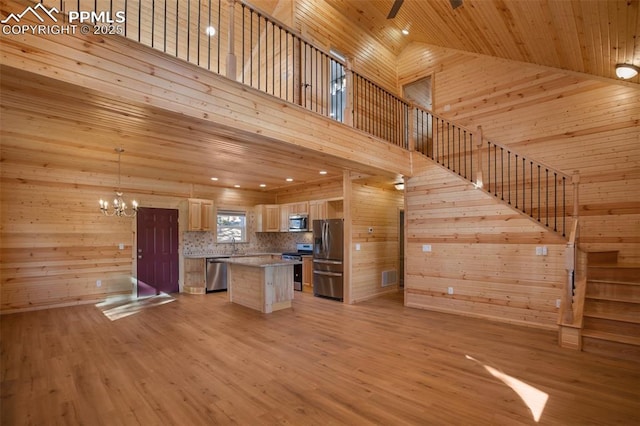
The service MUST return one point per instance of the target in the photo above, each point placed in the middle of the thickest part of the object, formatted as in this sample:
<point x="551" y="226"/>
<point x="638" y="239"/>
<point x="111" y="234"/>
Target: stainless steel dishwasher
<point x="216" y="274"/>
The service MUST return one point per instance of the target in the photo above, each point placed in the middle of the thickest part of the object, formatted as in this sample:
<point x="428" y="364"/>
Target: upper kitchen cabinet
<point x="317" y="210"/>
<point x="291" y="209"/>
<point x="268" y="218"/>
<point x="325" y="209"/>
<point x="201" y="215"/>
<point x="298" y="208"/>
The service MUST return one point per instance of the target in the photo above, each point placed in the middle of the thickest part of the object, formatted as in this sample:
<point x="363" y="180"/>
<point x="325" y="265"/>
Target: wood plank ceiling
<point x="63" y="126"/>
<point x="587" y="36"/>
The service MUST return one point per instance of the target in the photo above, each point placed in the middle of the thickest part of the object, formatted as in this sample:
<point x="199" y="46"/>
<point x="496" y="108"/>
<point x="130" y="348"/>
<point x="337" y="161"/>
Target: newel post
<point x="479" y="145"/>
<point x="231" y="56"/>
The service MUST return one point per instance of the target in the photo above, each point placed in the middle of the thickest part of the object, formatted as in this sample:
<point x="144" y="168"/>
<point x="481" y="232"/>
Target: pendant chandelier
<point x="119" y="207"/>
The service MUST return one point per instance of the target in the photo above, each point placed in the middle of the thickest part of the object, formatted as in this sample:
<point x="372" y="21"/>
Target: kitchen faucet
<point x="234" y="248"/>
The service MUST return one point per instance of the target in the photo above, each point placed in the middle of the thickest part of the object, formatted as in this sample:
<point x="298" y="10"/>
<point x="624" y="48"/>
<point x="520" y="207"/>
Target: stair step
<point x="611" y="349"/>
<point x="620" y="273"/>
<point x="612" y="337"/>
<point x="610" y="290"/>
<point x="614" y="310"/>
<point x="612" y="299"/>
<point x="602" y="257"/>
<point x="611" y="326"/>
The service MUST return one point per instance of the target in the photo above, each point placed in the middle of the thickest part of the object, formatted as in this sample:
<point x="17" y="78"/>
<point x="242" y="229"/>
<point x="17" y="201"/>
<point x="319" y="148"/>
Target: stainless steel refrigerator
<point x="328" y="251"/>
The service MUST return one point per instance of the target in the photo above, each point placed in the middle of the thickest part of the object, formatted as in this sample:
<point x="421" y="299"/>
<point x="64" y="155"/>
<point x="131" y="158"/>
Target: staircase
<point x="611" y="319"/>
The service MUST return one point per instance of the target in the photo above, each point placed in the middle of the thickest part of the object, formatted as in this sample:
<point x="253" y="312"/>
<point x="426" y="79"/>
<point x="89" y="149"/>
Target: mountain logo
<point x="34" y="11"/>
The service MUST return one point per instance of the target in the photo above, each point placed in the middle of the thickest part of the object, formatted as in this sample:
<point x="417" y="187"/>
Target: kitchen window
<point x="232" y="226"/>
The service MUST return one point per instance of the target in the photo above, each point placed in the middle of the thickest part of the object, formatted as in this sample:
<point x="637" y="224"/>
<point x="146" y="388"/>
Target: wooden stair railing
<point x="544" y="194"/>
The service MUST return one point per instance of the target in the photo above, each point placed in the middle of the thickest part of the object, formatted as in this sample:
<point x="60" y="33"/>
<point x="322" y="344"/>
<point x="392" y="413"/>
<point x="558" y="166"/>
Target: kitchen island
<point x="263" y="283"/>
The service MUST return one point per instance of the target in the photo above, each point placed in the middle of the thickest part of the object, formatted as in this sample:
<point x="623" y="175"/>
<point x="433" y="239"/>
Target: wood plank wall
<point x="378" y="207"/>
<point x="567" y="120"/>
<point x="55" y="242"/>
<point x="125" y="69"/>
<point x="328" y="29"/>
<point x="483" y="250"/>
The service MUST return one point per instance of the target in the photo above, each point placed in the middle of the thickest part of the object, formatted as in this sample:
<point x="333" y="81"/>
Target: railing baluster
<point x="516" y="180"/>
<point x="531" y="189"/>
<point x="524" y="184"/>
<point x="538" y="192"/>
<point x="509" y="175"/>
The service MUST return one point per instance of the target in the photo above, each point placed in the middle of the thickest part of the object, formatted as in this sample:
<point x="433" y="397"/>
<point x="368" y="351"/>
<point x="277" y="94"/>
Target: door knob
<point x="139" y="256"/>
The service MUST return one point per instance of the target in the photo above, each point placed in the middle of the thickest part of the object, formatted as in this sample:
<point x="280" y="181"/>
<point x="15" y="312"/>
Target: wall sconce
<point x="626" y="71"/>
<point x="399" y="186"/>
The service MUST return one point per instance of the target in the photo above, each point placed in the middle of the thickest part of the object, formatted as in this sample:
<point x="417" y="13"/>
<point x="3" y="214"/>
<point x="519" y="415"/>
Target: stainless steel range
<point x="302" y="249"/>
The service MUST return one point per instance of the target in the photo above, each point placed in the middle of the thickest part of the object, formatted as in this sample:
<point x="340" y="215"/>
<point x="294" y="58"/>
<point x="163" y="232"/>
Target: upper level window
<point x="338" y="87"/>
<point x="232" y="226"/>
<point x="338" y="91"/>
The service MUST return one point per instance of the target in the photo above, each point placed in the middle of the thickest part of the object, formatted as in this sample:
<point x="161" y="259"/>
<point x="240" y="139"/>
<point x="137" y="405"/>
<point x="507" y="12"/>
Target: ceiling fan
<point x="394" y="9"/>
<point x="398" y="3"/>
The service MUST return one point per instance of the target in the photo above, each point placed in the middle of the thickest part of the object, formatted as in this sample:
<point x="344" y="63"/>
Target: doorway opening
<point x="420" y="92"/>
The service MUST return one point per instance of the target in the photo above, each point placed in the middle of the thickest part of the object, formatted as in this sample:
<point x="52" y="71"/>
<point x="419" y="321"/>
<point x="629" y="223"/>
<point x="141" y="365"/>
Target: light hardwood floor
<point x="201" y="361"/>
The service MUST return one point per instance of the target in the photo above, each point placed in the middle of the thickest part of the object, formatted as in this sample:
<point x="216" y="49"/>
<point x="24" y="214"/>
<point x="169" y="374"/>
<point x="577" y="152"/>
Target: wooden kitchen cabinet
<point x="200" y="215"/>
<point x="325" y="209"/>
<point x="307" y="273"/>
<point x="268" y="218"/>
<point x="298" y="208"/>
<point x="317" y="210"/>
<point x="194" y="276"/>
<point x="284" y="217"/>
<point x="289" y="209"/>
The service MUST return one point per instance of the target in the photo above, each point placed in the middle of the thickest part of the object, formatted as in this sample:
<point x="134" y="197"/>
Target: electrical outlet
<point x="121" y="246"/>
<point x="98" y="283"/>
<point x="358" y="247"/>
<point x="538" y="251"/>
<point x="426" y="247"/>
<point x="544" y="250"/>
<point x="449" y="290"/>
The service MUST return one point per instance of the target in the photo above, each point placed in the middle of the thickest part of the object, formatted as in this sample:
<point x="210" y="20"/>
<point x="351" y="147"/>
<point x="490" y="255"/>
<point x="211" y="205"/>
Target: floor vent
<point x="389" y="278"/>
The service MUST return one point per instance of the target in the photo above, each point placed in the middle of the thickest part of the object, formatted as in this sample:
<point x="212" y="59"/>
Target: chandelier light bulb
<point x="119" y="205"/>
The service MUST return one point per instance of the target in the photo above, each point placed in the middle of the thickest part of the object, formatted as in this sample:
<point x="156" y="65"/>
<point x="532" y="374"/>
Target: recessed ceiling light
<point x="210" y="31"/>
<point x="405" y="31"/>
<point x="214" y="179"/>
<point x="263" y="185"/>
<point x="236" y="186"/>
<point x="289" y="179"/>
<point x="323" y="172"/>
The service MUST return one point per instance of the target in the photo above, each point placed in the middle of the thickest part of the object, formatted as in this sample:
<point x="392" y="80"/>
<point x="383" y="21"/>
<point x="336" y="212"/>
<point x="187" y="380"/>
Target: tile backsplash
<point x="204" y="243"/>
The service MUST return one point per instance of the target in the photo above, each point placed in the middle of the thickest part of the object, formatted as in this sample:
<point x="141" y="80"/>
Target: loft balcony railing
<point x="232" y="38"/>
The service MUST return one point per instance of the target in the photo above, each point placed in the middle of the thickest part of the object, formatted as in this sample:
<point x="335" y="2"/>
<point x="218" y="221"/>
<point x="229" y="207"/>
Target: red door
<point x="157" y="246"/>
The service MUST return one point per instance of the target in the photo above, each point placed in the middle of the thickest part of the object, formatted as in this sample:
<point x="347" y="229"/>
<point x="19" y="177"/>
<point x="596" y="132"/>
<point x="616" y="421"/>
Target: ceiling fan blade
<point x="394" y="9"/>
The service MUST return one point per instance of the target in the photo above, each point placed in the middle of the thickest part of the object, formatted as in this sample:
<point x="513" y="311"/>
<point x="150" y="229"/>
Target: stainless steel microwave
<point x="298" y="222"/>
